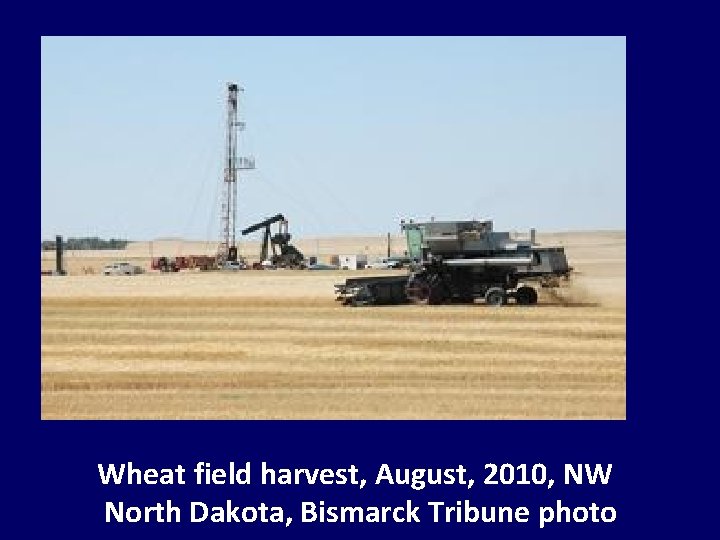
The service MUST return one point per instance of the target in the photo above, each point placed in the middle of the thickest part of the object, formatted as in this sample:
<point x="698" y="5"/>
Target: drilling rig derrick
<point x="232" y="164"/>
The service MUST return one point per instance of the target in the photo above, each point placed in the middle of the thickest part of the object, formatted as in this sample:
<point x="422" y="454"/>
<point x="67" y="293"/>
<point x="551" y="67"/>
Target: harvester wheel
<point x="432" y="290"/>
<point x="439" y="293"/>
<point x="495" y="296"/>
<point x="526" y="296"/>
<point x="418" y="290"/>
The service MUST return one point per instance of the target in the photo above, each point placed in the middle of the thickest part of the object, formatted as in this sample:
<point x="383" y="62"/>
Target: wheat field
<point x="275" y="345"/>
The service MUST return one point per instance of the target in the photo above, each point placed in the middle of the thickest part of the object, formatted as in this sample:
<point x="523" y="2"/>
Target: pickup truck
<point x="384" y="264"/>
<point x="233" y="266"/>
<point x="121" y="269"/>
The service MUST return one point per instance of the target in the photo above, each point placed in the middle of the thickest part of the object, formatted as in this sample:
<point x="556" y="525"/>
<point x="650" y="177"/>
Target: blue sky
<point x="349" y="134"/>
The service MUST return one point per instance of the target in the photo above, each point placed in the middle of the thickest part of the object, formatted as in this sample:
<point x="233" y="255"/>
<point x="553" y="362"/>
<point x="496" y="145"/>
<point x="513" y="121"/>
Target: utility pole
<point x="232" y="164"/>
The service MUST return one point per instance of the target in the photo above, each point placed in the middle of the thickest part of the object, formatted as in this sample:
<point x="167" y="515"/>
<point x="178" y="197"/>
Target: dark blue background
<point x="51" y="476"/>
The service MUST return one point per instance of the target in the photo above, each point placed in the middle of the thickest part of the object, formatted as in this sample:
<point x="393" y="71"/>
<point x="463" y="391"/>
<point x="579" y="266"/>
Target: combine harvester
<point x="460" y="261"/>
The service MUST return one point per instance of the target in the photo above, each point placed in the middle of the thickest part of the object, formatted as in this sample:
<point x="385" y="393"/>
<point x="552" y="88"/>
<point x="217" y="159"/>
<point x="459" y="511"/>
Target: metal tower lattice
<point x="232" y="164"/>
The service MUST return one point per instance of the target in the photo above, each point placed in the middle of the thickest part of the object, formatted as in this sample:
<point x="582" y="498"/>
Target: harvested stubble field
<point x="276" y="345"/>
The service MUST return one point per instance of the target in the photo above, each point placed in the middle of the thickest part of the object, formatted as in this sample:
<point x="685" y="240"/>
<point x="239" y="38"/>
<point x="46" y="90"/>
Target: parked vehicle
<point x="233" y="266"/>
<point x="322" y="266"/>
<point x="402" y="261"/>
<point x="121" y="269"/>
<point x="385" y="263"/>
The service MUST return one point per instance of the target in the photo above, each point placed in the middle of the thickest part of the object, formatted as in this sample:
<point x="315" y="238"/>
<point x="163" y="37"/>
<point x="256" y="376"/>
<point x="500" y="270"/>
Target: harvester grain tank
<point x="460" y="261"/>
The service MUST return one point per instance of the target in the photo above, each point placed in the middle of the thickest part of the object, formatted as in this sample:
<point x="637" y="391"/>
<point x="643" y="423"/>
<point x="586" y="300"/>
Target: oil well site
<point x="446" y="317"/>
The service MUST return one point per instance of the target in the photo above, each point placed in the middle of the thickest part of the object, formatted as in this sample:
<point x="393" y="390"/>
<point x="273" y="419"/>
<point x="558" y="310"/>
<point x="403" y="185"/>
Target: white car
<point x="234" y="265"/>
<point x="121" y="269"/>
<point x="384" y="264"/>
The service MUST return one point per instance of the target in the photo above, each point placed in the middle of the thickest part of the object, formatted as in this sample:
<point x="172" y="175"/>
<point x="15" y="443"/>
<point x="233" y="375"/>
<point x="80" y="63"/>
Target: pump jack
<point x="289" y="256"/>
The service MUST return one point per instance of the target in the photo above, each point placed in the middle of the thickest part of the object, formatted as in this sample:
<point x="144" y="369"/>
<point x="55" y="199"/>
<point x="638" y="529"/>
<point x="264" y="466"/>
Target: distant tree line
<point x="86" y="243"/>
